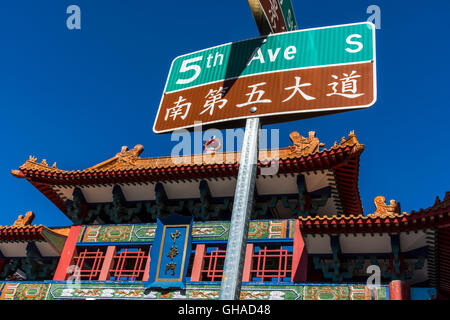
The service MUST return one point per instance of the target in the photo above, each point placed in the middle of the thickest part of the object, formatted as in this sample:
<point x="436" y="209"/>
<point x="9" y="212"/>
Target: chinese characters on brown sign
<point x="319" y="89"/>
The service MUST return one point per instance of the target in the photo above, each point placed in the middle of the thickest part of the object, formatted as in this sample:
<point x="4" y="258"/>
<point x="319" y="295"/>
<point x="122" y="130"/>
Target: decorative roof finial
<point x="303" y="146"/>
<point x="383" y="210"/>
<point x="447" y="196"/>
<point x="24" y="221"/>
<point x="351" y="141"/>
<point x="126" y="156"/>
<point x="442" y="204"/>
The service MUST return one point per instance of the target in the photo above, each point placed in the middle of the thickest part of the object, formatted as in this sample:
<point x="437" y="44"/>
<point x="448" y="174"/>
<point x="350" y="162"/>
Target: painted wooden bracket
<point x="158" y="207"/>
<point x="120" y="210"/>
<point x="262" y="207"/>
<point x="207" y="207"/>
<point x="308" y="202"/>
<point x="338" y="270"/>
<point x="78" y="208"/>
<point x="33" y="251"/>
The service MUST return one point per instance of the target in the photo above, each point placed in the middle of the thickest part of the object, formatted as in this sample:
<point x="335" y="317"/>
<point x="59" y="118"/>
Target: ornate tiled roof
<point x="126" y="159"/>
<point x="435" y="216"/>
<point x="21" y="233"/>
<point x="305" y="154"/>
<point x="23" y="230"/>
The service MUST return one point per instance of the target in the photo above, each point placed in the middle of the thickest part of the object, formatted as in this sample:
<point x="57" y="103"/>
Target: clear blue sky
<point x="75" y="97"/>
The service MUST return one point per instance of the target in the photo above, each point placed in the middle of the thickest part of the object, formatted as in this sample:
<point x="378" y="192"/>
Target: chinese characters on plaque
<point x="170" y="252"/>
<point x="173" y="252"/>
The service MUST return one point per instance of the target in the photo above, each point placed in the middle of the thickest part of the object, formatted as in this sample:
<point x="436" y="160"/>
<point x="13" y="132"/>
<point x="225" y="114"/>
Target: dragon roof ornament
<point x="24" y="221"/>
<point x="384" y="210"/>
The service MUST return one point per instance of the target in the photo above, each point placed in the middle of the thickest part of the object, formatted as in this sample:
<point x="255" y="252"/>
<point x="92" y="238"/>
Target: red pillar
<point x="246" y="274"/>
<point x="197" y="266"/>
<point x="399" y="290"/>
<point x="107" y="263"/>
<point x="299" y="256"/>
<point x="67" y="254"/>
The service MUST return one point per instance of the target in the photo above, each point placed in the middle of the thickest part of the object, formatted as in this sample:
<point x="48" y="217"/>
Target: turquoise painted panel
<point x="201" y="231"/>
<point x="283" y="51"/>
<point x="170" y="257"/>
<point x="115" y="290"/>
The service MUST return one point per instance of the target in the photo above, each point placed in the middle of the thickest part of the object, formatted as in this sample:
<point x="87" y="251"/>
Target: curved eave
<point x="47" y="191"/>
<point x="347" y="175"/>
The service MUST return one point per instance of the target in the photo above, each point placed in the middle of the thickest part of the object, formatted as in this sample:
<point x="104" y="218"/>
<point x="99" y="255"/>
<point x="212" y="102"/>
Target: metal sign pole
<point x="240" y="217"/>
<point x="243" y="201"/>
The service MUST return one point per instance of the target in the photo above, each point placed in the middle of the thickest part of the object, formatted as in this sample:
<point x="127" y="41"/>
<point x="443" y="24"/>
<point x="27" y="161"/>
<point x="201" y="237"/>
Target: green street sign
<point x="288" y="14"/>
<point x="296" y="49"/>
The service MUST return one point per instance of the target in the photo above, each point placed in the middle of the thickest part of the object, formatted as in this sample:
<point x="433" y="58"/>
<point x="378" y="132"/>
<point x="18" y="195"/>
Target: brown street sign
<point x="318" y="89"/>
<point x="281" y="77"/>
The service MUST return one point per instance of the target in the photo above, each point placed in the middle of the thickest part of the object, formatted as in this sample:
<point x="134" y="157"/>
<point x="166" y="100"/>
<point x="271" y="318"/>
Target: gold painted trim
<point x="187" y="226"/>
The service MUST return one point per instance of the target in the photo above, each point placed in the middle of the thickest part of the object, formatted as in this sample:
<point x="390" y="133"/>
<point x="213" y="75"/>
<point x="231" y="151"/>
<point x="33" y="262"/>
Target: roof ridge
<point x="130" y="159"/>
<point x="23" y="227"/>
